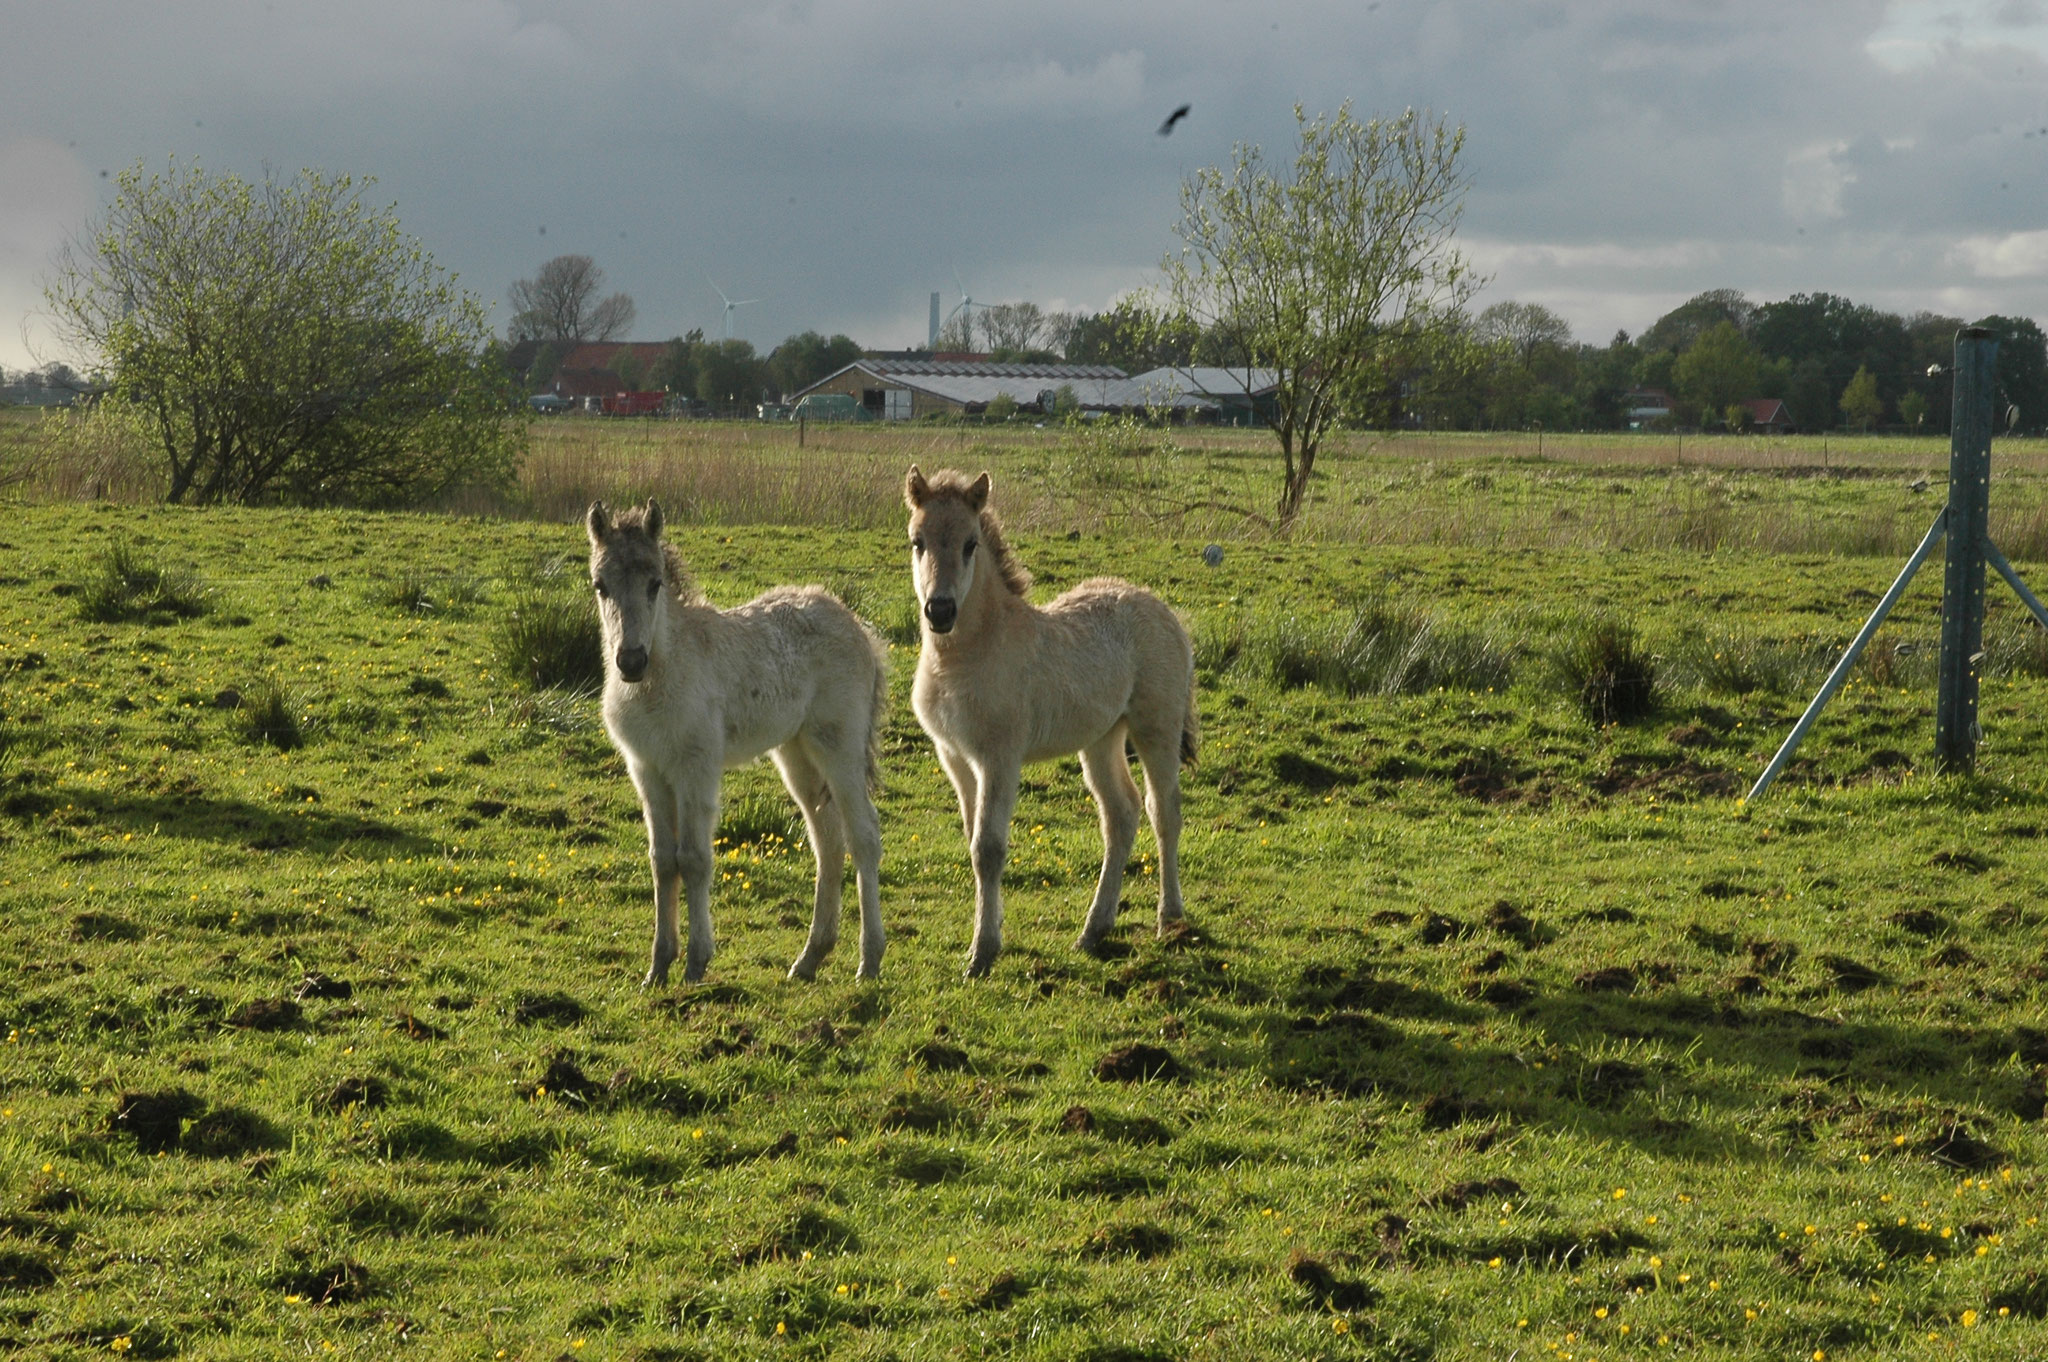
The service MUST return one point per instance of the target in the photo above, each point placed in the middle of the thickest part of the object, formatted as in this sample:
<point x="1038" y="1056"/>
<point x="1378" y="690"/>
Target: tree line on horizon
<point x="1834" y="363"/>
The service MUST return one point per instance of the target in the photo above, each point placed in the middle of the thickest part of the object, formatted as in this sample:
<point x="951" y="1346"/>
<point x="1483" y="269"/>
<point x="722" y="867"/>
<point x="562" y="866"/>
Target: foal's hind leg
<point x="1116" y="797"/>
<point x="1161" y="754"/>
<point x="813" y="796"/>
<point x="846" y="770"/>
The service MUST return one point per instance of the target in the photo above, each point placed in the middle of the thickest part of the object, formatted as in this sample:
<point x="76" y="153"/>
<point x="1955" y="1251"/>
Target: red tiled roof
<point x="600" y="354"/>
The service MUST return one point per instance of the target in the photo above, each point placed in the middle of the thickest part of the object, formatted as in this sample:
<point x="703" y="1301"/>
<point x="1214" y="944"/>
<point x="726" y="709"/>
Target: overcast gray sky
<point x="841" y="159"/>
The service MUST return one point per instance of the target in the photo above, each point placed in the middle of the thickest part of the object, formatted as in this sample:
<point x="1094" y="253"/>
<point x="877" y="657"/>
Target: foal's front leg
<point x="693" y="853"/>
<point x="995" y="802"/>
<point x="659" y="811"/>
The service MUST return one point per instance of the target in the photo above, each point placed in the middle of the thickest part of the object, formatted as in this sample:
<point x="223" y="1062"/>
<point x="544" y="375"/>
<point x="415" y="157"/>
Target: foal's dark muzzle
<point x="632" y="663"/>
<point x="940" y="612"/>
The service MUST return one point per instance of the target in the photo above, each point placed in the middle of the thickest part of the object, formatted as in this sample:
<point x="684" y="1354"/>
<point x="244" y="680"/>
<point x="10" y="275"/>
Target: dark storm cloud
<point x="839" y="159"/>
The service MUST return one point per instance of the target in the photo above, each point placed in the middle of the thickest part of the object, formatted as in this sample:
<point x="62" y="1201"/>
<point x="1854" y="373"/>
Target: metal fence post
<point x="1962" y="593"/>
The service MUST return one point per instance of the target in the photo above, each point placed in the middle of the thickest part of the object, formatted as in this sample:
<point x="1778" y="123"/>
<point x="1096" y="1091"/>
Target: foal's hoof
<point x="656" y="977"/>
<point x="1093" y="943"/>
<point x="804" y="969"/>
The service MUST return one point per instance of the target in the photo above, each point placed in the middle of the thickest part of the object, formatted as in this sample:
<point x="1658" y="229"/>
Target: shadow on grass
<point x="300" y="827"/>
<point x="1782" y="1077"/>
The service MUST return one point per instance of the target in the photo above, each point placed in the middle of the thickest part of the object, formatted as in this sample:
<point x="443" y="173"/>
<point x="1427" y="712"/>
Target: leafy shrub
<point x="551" y="640"/>
<point x="129" y="586"/>
<point x="1601" y="663"/>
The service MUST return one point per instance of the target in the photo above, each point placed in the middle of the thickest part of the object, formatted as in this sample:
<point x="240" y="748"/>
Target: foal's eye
<point x="917" y="545"/>
<point x="601" y="589"/>
<point x="968" y="552"/>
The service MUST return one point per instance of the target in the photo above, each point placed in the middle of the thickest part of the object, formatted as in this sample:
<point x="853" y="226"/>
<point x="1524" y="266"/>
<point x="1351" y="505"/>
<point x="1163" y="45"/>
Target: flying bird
<point x="1166" y="128"/>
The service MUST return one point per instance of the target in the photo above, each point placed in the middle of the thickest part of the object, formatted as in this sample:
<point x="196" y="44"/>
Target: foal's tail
<point x="1190" y="726"/>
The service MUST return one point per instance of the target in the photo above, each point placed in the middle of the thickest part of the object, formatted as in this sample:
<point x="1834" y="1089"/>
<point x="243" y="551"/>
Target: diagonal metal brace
<point x="2012" y="579"/>
<point x="1848" y="663"/>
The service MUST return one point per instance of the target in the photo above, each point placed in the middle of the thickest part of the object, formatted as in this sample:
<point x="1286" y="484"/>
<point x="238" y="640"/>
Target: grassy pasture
<point x="1496" y="1033"/>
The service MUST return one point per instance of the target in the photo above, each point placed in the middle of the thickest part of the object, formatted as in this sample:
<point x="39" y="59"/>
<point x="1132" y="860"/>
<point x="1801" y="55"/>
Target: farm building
<point x="1240" y="397"/>
<point x="587" y="370"/>
<point x="1769" y="416"/>
<point x="901" y="389"/>
<point x="1647" y="407"/>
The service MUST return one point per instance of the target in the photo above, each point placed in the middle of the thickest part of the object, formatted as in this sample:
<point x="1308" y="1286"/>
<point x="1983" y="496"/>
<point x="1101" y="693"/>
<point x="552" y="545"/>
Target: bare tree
<point x="1012" y="326"/>
<point x="1310" y="271"/>
<point x="1523" y="327"/>
<point x="1062" y="329"/>
<point x="561" y="303"/>
<point x="957" y="335"/>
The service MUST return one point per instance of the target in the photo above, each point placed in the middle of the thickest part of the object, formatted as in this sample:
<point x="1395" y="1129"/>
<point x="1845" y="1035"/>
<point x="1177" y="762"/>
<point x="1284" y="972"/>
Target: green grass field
<point x="1496" y="1033"/>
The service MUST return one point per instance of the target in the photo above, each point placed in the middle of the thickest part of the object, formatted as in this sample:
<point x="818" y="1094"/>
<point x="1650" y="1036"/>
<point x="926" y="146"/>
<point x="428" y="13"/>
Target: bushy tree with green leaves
<point x="1135" y="334"/>
<point x="2022" y="369"/>
<point x="1308" y="269"/>
<point x="1860" y="402"/>
<point x="1720" y="370"/>
<point x="730" y="376"/>
<point x="1913" y="409"/>
<point x="805" y="358"/>
<point x="676" y="370"/>
<point x="630" y="368"/>
<point x="284" y="342"/>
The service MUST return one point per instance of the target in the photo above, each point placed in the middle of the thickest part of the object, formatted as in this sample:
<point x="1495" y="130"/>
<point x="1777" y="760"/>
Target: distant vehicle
<point x="635" y="404"/>
<point x="551" y="402"/>
<point x="830" y="407"/>
<point x="772" y="411"/>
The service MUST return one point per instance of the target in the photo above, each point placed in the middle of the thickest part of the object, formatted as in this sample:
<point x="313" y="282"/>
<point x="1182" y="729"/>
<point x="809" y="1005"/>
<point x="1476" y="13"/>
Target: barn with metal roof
<point x="902" y="389"/>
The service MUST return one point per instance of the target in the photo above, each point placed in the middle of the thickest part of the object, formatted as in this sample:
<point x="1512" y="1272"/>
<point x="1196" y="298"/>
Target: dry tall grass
<point x="1604" y="492"/>
<point x="77" y="454"/>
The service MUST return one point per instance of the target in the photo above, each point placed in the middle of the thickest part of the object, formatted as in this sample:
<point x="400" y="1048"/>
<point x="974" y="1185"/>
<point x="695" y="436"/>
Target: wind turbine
<point x="966" y="306"/>
<point x="731" y="305"/>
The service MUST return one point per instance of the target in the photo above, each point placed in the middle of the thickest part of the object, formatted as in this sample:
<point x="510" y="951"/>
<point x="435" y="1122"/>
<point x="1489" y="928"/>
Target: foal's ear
<point x="977" y="495"/>
<point x="597" y="521"/>
<point x="653" y="519"/>
<point x="915" y="488"/>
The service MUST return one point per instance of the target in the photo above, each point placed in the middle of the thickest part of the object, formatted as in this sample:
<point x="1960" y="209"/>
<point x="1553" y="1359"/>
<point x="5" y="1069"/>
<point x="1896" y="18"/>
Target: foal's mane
<point x="950" y="482"/>
<point x="681" y="584"/>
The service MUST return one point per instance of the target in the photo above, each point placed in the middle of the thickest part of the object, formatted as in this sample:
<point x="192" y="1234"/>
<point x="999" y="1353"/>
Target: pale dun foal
<point x="690" y="690"/>
<point x="1001" y="683"/>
